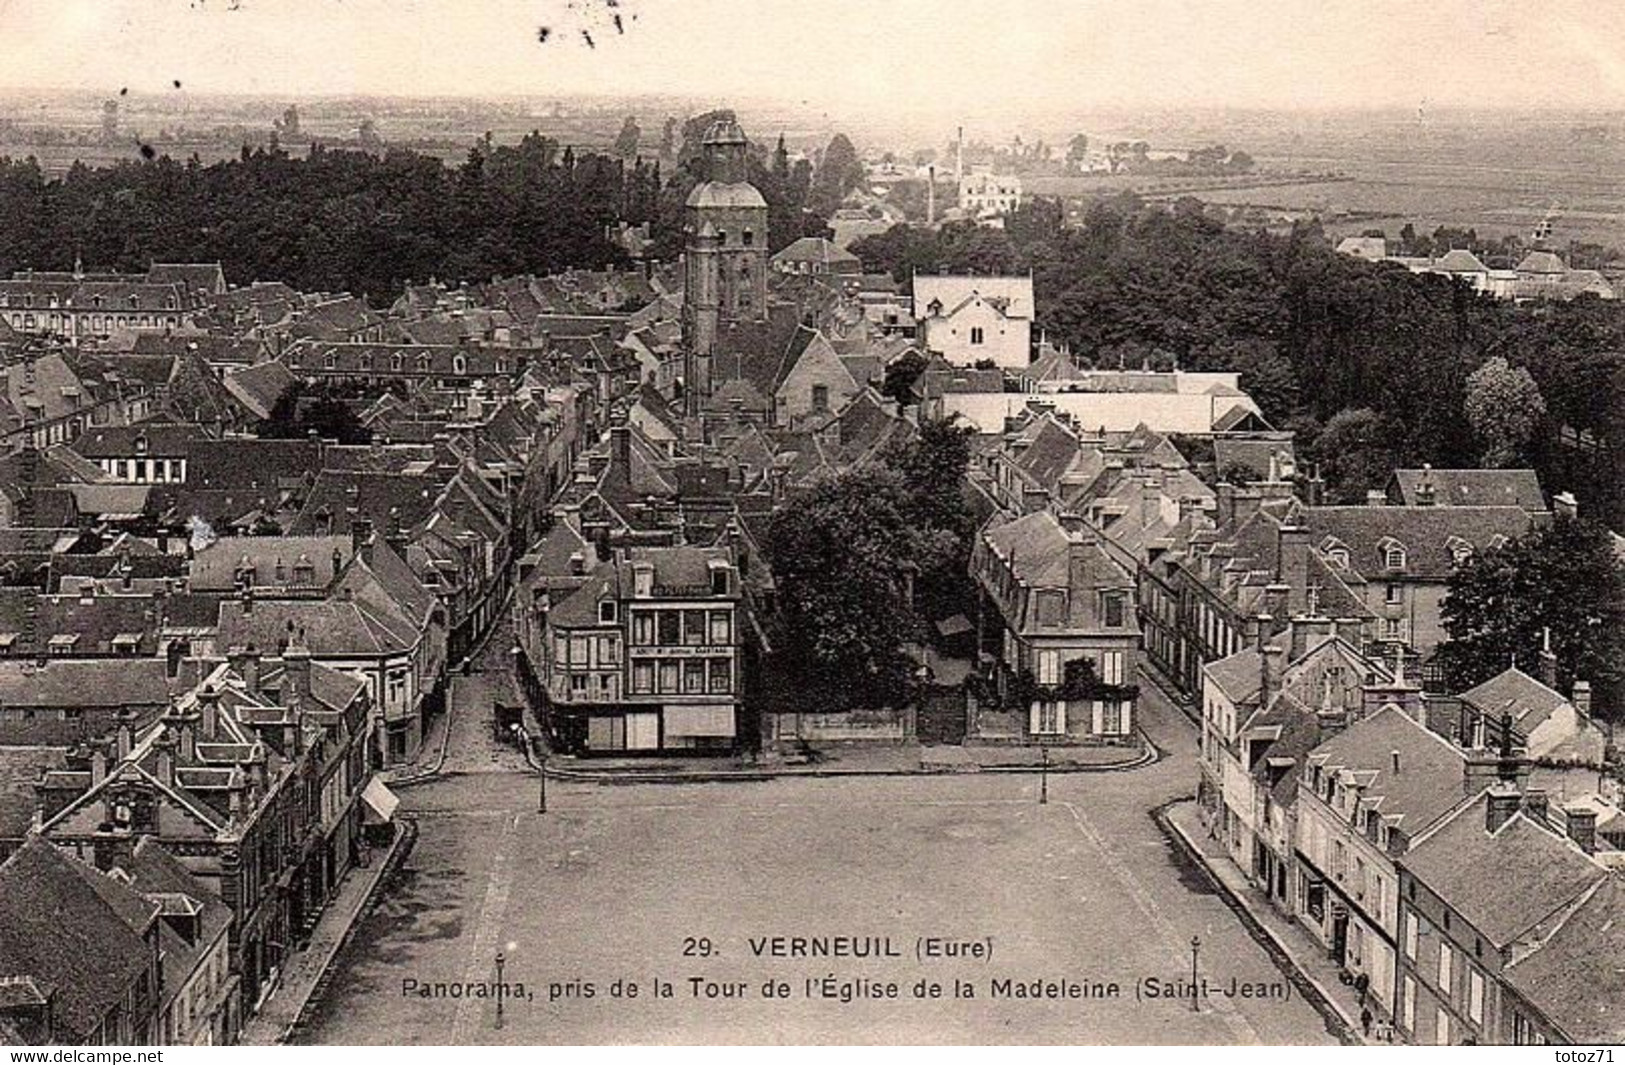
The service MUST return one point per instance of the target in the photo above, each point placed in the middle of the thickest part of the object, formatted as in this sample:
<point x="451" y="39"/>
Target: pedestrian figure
<point x="1365" y="1020"/>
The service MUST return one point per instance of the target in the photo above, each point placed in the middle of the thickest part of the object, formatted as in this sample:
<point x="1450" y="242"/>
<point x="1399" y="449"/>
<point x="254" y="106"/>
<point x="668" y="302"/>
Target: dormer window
<point x="330" y="360"/>
<point x="1497" y="542"/>
<point x="1393" y="554"/>
<point x="97" y="301"/>
<point x="1461" y="551"/>
<point x="749" y="238"/>
<point x="364" y="361"/>
<point x="135" y="302"/>
<point x="423" y="364"/>
<point x="606" y="611"/>
<point x="170" y="303"/>
<point x="397" y="362"/>
<point x="722" y="237"/>
<point x="459" y="364"/>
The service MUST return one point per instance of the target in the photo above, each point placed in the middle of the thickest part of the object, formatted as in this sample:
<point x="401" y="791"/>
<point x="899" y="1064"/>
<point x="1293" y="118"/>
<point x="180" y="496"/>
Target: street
<point x="647" y="883"/>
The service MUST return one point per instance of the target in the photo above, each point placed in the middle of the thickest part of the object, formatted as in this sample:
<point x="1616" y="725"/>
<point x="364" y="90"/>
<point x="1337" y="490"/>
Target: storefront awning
<point x="379" y="802"/>
<point x="701" y="720"/>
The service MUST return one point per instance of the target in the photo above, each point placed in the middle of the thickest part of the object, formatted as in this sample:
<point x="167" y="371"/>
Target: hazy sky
<point x="946" y="56"/>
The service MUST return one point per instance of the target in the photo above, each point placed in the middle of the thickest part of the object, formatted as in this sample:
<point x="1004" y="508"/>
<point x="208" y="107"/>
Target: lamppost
<point x="1043" y="776"/>
<point x="541" y="805"/>
<point x="1196" y="995"/>
<point x="501" y="960"/>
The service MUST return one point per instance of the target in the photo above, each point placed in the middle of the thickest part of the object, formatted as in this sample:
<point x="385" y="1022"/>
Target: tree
<point x="901" y="373"/>
<point x="839" y="171"/>
<point x="1564" y="580"/>
<point x="626" y="144"/>
<point x="841" y="554"/>
<point x="1077" y="150"/>
<point x="301" y="411"/>
<point x="1356" y="453"/>
<point x="1505" y="408"/>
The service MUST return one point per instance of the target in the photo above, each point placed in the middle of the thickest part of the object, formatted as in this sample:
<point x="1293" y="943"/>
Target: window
<point x="580" y="650"/>
<point x="1395" y="629"/>
<point x="693" y="676"/>
<point x="606" y="611"/>
<point x="694" y="628"/>
<point x="1339" y="557"/>
<point x="670" y="681"/>
<point x="609" y="651"/>
<point x="578" y="684"/>
<point x="643" y="677"/>
<point x="1049" y="667"/>
<point x="749" y="238"/>
<point x="1441" y="1031"/>
<point x="643" y="628"/>
<point x="670" y="623"/>
<point x="459" y="364"/>
<point x="1394" y="592"/>
<point x="1393" y="557"/>
<point x="1447" y="961"/>
<point x="820" y="399"/>
<point x="721" y="628"/>
<point x="721" y="676"/>
<point x="1048" y="718"/>
<point x="977" y="334"/>
<point x="1112" y="609"/>
<point x="1475" y="996"/>
<point x="1111" y="667"/>
<point x="1407" y="1013"/>
<point x="1111" y="718"/>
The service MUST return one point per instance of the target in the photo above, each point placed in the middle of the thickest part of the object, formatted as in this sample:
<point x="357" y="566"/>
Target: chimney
<point x="1226" y="504"/>
<point x="1535" y="805"/>
<point x="620" y="448"/>
<point x="165" y="746"/>
<point x="1376" y="497"/>
<point x="188" y="736"/>
<point x="245" y="597"/>
<point x="1582" y="827"/>
<point x="1292" y="565"/>
<point x="126" y="733"/>
<point x="208" y="701"/>
<point x="1564" y="505"/>
<point x="98" y="765"/>
<point x="1316" y="488"/>
<point x="1246" y="504"/>
<point x="1500" y="803"/>
<point x="1272" y="663"/>
<point x="578" y="564"/>
<point x="1547" y="670"/>
<point x="245" y="662"/>
<point x="360" y="534"/>
<point x="1581" y="698"/>
<point x="1424" y="488"/>
<point x="394" y="534"/>
<point x="296" y="670"/>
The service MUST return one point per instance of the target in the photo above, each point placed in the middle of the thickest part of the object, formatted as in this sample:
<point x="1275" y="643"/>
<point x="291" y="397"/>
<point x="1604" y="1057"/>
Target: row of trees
<point x="369" y="221"/>
<point x="1373" y="366"/>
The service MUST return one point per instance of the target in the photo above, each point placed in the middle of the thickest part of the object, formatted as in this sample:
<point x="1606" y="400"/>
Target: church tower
<point x="725" y="258"/>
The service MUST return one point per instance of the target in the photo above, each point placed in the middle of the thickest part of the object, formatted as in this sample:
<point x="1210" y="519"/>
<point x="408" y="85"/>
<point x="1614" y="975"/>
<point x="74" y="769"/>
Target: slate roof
<point x="1239" y="676"/>
<point x="70" y="929"/>
<point x="1429" y="782"/>
<point x="1424" y="532"/>
<point x="274" y="559"/>
<point x="1015" y="294"/>
<point x="1472" y="488"/>
<point x="1515" y="692"/>
<point x="258" y="388"/>
<point x="1576" y="978"/>
<point x="151" y="439"/>
<point x="820" y="252"/>
<point x="1505" y="883"/>
<point x="20" y="769"/>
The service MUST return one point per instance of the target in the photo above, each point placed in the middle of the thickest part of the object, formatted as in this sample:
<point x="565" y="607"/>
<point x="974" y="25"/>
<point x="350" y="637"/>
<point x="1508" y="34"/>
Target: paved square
<point x="612" y="883"/>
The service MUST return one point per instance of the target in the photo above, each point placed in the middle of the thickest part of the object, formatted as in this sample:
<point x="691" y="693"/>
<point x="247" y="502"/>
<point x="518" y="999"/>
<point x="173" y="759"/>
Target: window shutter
<point x="1060" y="716"/>
<point x="1099" y="720"/>
<point x="1033" y="722"/>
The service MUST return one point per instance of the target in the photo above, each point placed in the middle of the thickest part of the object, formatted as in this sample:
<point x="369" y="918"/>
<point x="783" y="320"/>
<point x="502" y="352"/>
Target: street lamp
<point x="501" y="960"/>
<point x="1043" y="776"/>
<point x="1196" y="997"/>
<point x="541" y="805"/>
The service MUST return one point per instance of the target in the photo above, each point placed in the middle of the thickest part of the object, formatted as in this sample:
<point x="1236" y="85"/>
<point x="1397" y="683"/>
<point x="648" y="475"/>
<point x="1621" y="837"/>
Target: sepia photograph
<point x="633" y="523"/>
